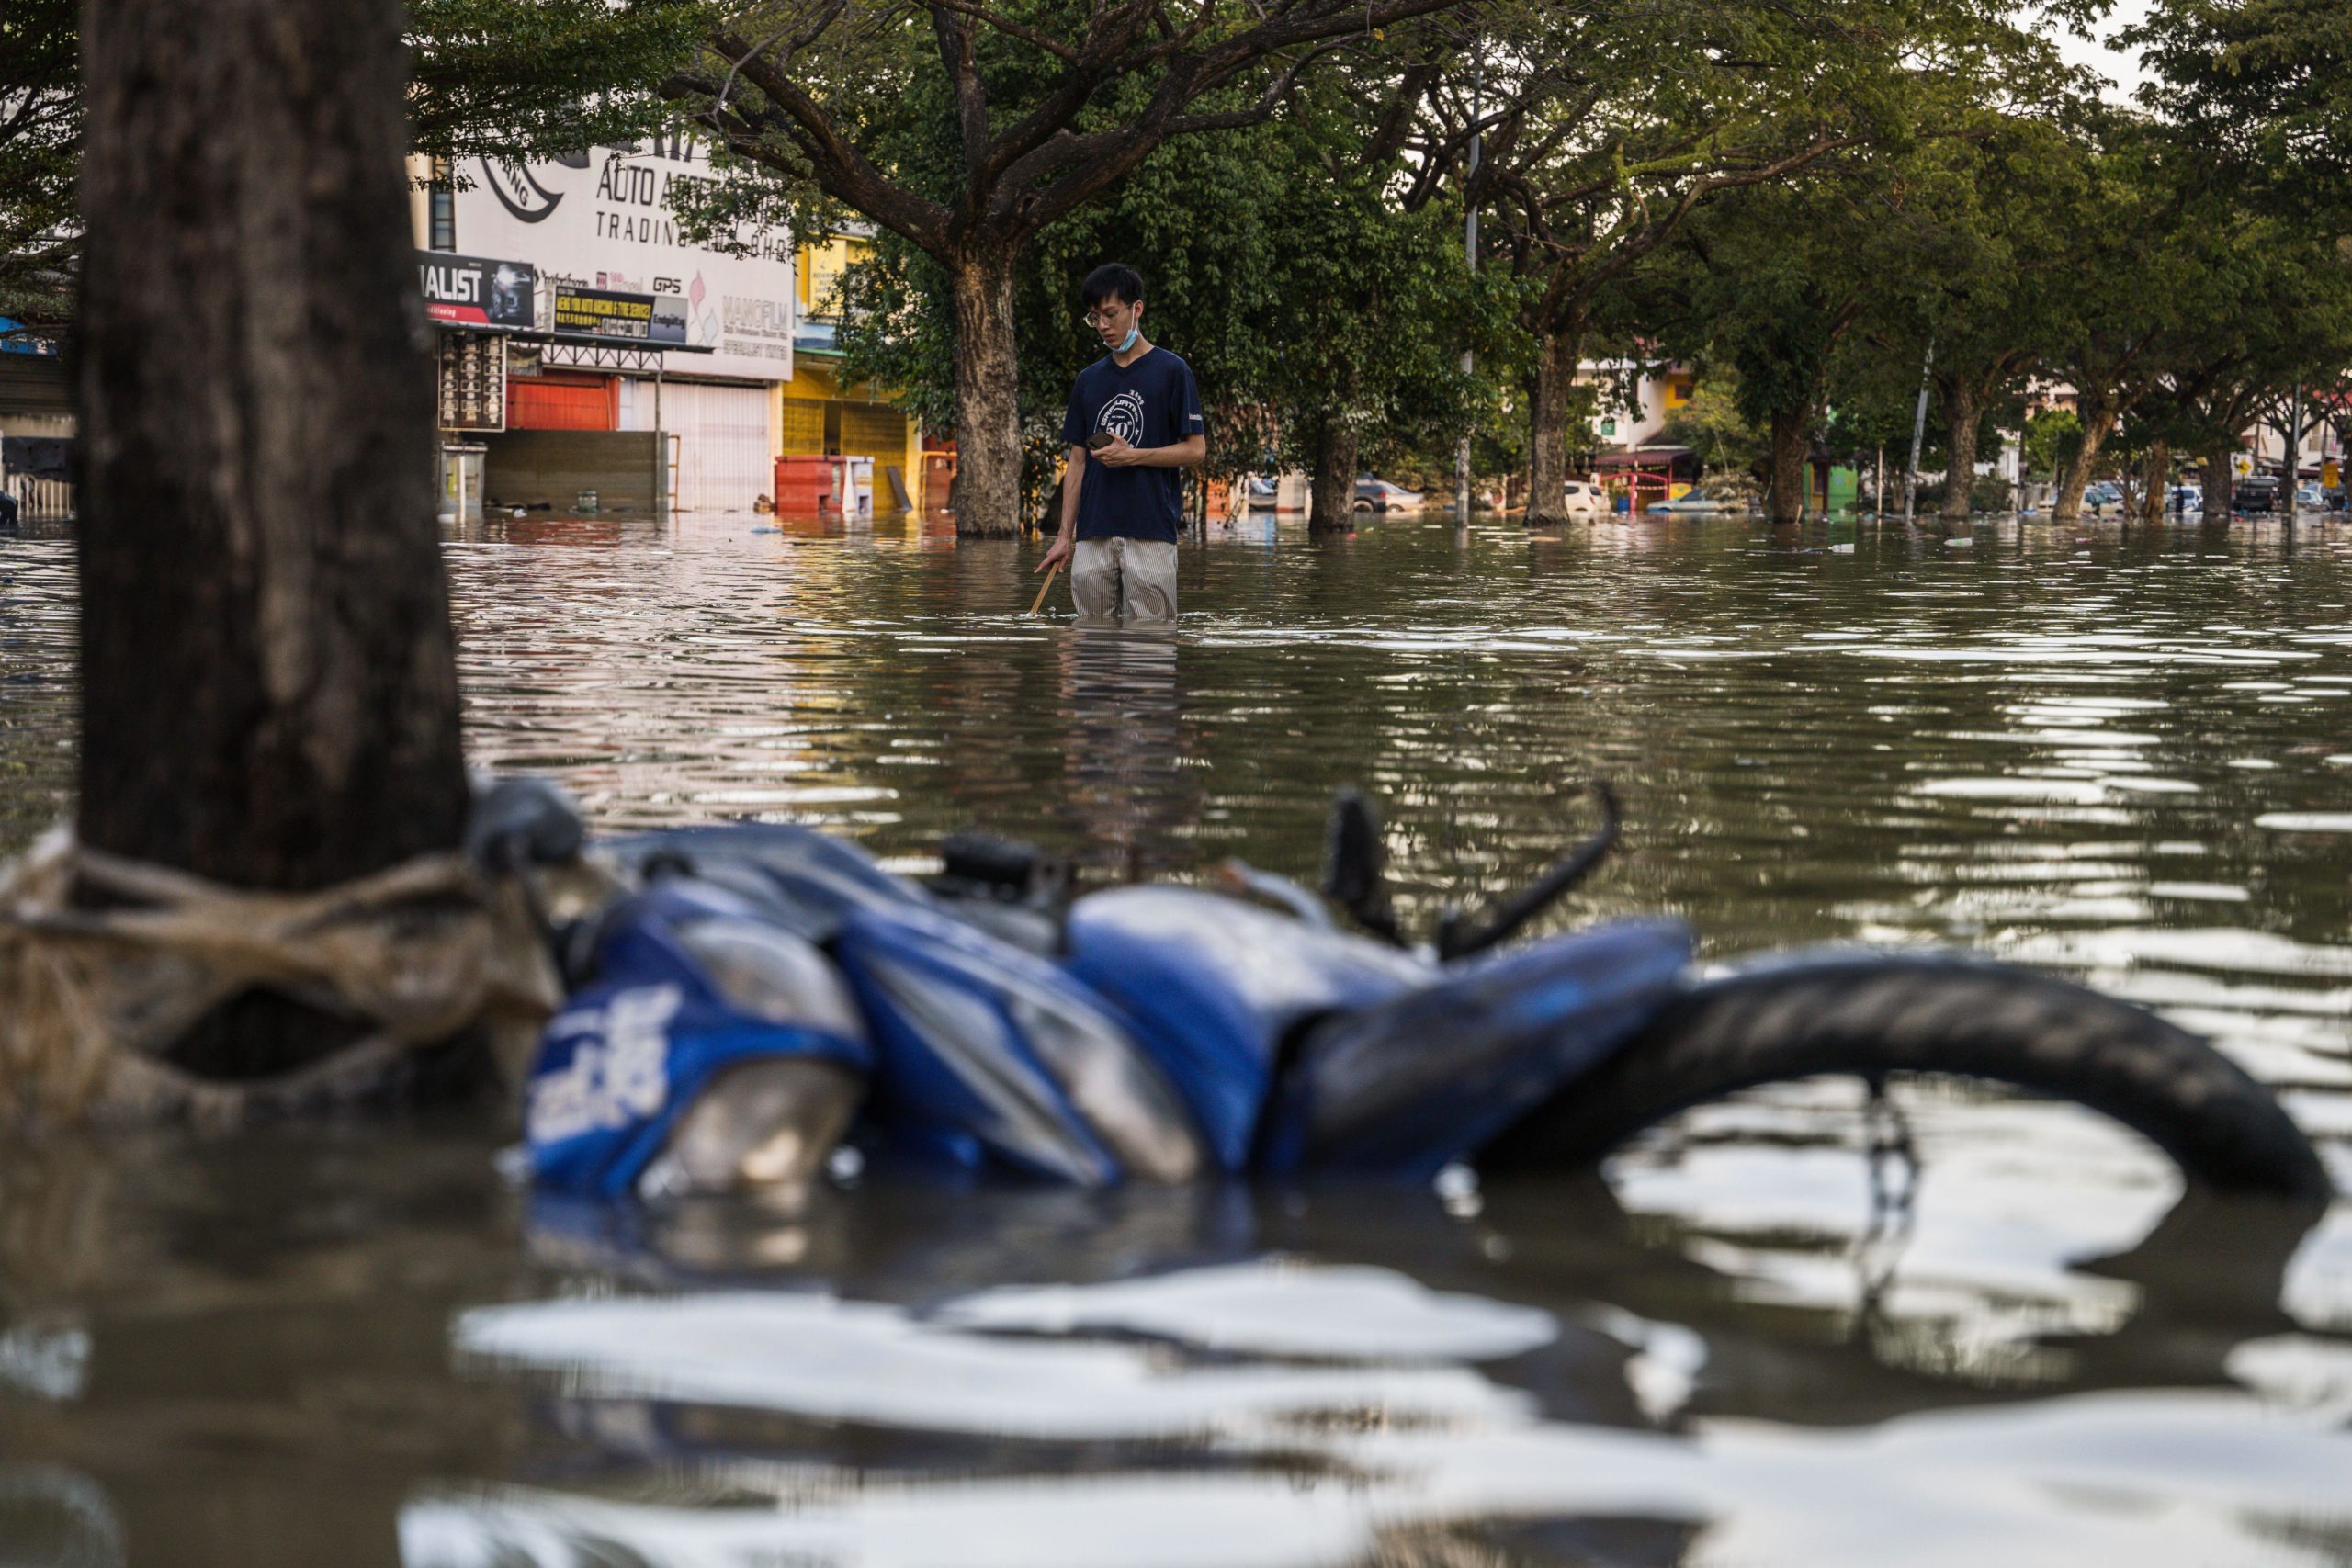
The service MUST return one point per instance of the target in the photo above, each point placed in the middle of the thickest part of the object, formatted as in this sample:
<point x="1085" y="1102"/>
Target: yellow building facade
<point x="816" y="415"/>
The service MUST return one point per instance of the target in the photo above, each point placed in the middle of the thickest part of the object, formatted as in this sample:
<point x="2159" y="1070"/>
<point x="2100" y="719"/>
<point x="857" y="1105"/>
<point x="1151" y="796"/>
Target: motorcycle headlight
<point x="772" y="975"/>
<point x="765" y="1124"/>
<point x="1114" y="1087"/>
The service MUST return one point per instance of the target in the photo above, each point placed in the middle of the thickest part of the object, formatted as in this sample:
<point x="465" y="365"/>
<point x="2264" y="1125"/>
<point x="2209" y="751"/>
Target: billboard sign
<point x="651" y="319"/>
<point x="473" y="291"/>
<point x="599" y="223"/>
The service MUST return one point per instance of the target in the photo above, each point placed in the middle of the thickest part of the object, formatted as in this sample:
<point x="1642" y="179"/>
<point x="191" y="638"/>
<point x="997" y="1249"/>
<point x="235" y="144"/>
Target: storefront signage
<point x="619" y="315"/>
<point x="472" y="291"/>
<point x="599" y="222"/>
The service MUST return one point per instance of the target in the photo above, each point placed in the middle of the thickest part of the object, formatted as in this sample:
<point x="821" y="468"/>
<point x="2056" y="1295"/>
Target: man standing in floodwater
<point x="1134" y="420"/>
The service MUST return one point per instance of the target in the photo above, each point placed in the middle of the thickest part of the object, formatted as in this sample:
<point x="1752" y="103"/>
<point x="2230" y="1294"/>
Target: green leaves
<point x="1299" y="288"/>
<point x="528" y="78"/>
<point x="41" y="124"/>
<point x="2267" y="84"/>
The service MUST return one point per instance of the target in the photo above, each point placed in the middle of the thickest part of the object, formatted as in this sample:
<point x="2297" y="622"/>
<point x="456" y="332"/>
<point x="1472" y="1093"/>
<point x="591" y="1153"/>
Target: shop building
<point x="637" y="330"/>
<point x="36" y="425"/>
<point x="528" y="380"/>
<point x="821" y="416"/>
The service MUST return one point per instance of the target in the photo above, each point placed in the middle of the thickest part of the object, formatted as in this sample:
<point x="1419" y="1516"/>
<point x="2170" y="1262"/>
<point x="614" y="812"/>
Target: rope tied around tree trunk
<point x="105" y="964"/>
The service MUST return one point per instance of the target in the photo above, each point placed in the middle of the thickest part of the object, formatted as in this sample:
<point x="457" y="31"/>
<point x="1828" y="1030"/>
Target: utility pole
<point x="2295" y="461"/>
<point x="1470" y="261"/>
<point x="1919" y="432"/>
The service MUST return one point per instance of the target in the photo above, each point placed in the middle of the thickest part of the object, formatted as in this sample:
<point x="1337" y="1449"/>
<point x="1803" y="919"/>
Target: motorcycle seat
<point x="1217" y="988"/>
<point x="1430" y="1077"/>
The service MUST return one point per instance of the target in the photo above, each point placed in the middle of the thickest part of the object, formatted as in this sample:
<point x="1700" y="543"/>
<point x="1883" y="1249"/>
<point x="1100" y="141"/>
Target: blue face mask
<point x="1128" y="342"/>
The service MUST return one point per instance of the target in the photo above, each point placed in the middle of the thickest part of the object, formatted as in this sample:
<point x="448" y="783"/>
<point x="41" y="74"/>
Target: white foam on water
<point x="830" y="1359"/>
<point x="2221" y="948"/>
<point x="1272" y="1308"/>
<point x="2150" y="1479"/>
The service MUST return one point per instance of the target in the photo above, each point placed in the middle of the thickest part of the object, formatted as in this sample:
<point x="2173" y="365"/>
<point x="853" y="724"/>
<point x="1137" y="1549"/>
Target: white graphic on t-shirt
<point x="1122" y="417"/>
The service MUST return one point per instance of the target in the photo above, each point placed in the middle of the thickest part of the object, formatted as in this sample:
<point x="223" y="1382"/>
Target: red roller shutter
<point x="561" y="403"/>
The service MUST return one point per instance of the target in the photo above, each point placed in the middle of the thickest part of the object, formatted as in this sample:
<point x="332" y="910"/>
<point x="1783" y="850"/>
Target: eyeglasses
<point x="1104" y="316"/>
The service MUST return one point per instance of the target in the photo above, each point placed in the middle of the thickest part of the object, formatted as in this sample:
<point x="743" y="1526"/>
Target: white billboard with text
<point x="601" y="219"/>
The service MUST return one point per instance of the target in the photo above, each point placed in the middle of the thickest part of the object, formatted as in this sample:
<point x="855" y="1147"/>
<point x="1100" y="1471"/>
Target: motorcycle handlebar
<point x="1524" y="905"/>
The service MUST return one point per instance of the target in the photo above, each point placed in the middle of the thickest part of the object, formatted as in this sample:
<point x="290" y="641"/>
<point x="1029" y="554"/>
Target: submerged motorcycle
<point x="760" y="995"/>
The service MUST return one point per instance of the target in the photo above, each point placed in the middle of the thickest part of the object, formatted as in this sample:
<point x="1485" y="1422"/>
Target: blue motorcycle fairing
<point x="631" y="1054"/>
<point x="808" y="880"/>
<point x="1214" y="987"/>
<point x="989" y="1050"/>
<point x="1409" y="1086"/>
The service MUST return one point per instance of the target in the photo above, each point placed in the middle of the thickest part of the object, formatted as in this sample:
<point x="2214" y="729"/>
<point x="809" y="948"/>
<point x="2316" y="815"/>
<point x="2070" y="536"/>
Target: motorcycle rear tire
<point x="1875" y="1016"/>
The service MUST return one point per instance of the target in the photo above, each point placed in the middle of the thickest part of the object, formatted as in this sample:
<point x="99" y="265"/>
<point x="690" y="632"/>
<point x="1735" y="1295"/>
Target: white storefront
<point x="601" y="220"/>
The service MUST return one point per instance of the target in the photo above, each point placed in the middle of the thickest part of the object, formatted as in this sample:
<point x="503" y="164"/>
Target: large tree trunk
<point x="269" y="691"/>
<point x="2098" y="414"/>
<point x="2217" y="483"/>
<point x="1963" y="418"/>
<point x="2156" y="474"/>
<point x="988" y="397"/>
<point x="1791" y="446"/>
<point x="1332" y="488"/>
<point x="1557" y="357"/>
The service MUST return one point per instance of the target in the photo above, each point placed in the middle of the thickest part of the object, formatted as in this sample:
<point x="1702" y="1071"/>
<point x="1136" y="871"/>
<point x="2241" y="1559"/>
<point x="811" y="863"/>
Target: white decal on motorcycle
<point x="617" y="1074"/>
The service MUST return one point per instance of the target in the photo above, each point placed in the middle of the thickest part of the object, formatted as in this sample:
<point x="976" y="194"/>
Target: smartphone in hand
<point x="1099" y="440"/>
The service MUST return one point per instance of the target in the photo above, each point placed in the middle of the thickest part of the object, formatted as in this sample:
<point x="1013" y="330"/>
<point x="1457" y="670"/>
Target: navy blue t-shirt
<point x="1151" y="402"/>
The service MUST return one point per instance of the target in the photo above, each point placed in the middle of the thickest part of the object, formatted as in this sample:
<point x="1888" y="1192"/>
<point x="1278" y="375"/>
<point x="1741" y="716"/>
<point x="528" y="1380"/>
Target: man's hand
<point x="1063" y="548"/>
<point x="1117" y="454"/>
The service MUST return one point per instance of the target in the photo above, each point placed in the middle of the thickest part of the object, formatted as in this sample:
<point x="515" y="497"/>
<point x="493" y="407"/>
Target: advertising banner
<point x="652" y="319"/>
<point x="473" y="291"/>
<point x="599" y="223"/>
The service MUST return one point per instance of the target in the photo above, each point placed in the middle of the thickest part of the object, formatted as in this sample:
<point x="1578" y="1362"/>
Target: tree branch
<point x="839" y="168"/>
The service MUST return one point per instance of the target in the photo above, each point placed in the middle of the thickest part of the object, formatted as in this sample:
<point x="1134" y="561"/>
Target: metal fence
<point x="39" y="501"/>
<point x="42" y="497"/>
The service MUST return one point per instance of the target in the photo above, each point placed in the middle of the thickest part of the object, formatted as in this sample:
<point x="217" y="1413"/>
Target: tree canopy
<point x="40" y="151"/>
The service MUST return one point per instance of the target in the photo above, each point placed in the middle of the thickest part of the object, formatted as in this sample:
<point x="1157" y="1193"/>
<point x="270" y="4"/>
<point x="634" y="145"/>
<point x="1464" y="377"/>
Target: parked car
<point x="2309" y="497"/>
<point x="1684" y="506"/>
<point x="2255" y="497"/>
<point x="2181" y="500"/>
<point x="1585" y="500"/>
<point x="1379" y="495"/>
<point x="2102" y="498"/>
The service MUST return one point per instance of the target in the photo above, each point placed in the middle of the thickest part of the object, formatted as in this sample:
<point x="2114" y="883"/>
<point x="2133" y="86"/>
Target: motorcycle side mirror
<point x="1354" y="868"/>
<point x="525" y="821"/>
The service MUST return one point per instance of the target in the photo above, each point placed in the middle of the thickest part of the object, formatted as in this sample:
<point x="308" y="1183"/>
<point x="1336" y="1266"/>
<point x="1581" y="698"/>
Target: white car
<point x="1585" y="500"/>
<point x="1380" y="495"/>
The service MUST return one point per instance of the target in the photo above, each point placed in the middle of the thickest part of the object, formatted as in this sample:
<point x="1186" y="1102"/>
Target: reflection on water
<point x="1128" y="748"/>
<point x="1193" y="1416"/>
<point x="2117" y="752"/>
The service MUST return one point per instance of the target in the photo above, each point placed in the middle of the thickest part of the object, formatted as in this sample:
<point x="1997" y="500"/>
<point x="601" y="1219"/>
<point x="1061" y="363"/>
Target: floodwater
<point x="2123" y="754"/>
